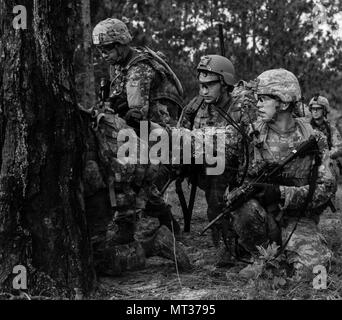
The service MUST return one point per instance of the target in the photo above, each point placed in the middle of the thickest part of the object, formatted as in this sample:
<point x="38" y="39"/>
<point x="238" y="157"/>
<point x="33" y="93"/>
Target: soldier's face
<point x="316" y="111"/>
<point x="267" y="107"/>
<point x="211" y="91"/>
<point x="109" y="52"/>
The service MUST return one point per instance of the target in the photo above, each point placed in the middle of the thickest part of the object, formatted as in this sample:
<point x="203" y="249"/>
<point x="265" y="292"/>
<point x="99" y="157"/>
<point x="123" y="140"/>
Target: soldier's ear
<point x="284" y="106"/>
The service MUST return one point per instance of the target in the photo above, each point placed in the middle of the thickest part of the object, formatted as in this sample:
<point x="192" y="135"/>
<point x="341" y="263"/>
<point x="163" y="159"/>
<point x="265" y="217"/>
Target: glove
<point x="133" y="117"/>
<point x="267" y="194"/>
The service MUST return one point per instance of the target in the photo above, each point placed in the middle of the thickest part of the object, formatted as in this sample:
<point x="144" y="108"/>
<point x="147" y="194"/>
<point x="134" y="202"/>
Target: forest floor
<point x="159" y="279"/>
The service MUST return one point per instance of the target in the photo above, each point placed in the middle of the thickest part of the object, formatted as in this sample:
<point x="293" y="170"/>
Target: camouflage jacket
<point x="203" y="119"/>
<point x="332" y="134"/>
<point x="199" y="114"/>
<point x="294" y="180"/>
<point x="145" y="82"/>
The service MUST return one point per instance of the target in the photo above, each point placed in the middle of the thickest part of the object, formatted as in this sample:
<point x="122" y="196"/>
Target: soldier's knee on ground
<point x="116" y="259"/>
<point x="307" y="247"/>
<point x="163" y="244"/>
<point x="163" y="212"/>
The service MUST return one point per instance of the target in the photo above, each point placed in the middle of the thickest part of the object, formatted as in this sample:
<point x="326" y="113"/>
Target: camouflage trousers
<point x="106" y="223"/>
<point x="306" y="247"/>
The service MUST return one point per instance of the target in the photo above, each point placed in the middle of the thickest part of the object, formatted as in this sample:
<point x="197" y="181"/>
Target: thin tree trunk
<point x="42" y="221"/>
<point x="88" y="97"/>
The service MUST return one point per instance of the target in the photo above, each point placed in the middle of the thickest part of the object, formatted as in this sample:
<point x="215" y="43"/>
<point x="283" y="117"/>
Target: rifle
<point x="245" y="192"/>
<point x="222" y="48"/>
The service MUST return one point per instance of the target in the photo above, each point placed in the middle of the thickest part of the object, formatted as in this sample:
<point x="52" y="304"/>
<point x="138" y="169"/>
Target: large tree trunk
<point x="42" y="220"/>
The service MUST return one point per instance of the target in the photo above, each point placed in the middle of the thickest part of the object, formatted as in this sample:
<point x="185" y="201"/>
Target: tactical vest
<point x="189" y="113"/>
<point x="297" y="172"/>
<point x="169" y="88"/>
<point x="195" y="116"/>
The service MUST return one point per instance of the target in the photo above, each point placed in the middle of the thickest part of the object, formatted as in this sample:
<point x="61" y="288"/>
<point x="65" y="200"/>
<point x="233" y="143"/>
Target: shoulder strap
<point x="139" y="57"/>
<point x="306" y="127"/>
<point x="328" y="128"/>
<point x="191" y="110"/>
<point x="148" y="55"/>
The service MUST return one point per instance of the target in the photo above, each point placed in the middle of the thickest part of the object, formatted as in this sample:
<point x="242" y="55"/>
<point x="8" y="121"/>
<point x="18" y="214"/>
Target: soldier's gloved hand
<point x="133" y="117"/>
<point x="266" y="193"/>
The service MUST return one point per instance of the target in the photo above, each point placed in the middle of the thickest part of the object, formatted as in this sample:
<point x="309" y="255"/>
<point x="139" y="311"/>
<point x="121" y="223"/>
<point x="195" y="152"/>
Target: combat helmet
<point x="214" y="65"/>
<point x="110" y="31"/>
<point x="280" y="83"/>
<point x="322" y="101"/>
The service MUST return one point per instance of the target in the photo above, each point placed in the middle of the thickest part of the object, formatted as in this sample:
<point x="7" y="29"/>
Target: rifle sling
<point x="312" y="188"/>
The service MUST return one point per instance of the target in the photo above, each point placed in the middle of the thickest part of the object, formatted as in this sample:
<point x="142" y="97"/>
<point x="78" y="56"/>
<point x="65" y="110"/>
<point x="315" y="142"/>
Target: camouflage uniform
<point x="256" y="225"/>
<point x="330" y="131"/>
<point x="114" y="192"/>
<point x="141" y="82"/>
<point x="206" y="116"/>
<point x="199" y="116"/>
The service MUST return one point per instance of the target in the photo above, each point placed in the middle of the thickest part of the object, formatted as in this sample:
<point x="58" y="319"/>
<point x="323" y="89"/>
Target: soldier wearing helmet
<point x="319" y="108"/>
<point x="142" y="87"/>
<point x="285" y="209"/>
<point x="216" y="78"/>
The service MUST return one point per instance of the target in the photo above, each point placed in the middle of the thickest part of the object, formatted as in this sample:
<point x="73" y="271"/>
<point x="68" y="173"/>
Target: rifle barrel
<point x="213" y="222"/>
<point x="223" y="50"/>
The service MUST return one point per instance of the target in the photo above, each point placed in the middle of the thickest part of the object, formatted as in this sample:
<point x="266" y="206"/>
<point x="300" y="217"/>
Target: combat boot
<point x="164" y="245"/>
<point x="224" y="258"/>
<point x="116" y="259"/>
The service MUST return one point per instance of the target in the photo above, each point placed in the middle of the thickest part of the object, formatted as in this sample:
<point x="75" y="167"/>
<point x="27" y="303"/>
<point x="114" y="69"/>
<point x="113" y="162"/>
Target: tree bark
<point x="88" y="97"/>
<point x="42" y="219"/>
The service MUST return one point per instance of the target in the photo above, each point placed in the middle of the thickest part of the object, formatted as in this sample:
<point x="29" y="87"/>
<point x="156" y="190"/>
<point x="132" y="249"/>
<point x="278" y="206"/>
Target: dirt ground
<point x="159" y="279"/>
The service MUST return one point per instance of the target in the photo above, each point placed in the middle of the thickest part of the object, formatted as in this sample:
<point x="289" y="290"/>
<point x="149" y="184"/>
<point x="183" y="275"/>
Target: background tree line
<point x="259" y="35"/>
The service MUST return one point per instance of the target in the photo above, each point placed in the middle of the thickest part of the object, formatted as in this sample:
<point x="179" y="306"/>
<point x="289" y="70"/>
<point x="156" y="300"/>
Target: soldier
<point x="319" y="106"/>
<point x="143" y="87"/>
<point x="115" y="191"/>
<point x="287" y="208"/>
<point x="216" y="76"/>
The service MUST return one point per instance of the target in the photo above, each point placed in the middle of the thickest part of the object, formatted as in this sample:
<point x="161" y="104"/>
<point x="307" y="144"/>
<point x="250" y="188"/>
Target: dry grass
<point x="159" y="279"/>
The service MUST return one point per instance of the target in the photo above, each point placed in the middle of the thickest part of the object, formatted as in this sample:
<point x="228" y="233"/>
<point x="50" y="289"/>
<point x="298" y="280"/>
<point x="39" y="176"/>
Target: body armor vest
<point x="295" y="173"/>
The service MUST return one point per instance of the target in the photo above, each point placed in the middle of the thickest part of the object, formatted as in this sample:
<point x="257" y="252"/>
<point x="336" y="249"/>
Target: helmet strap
<point x="123" y="53"/>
